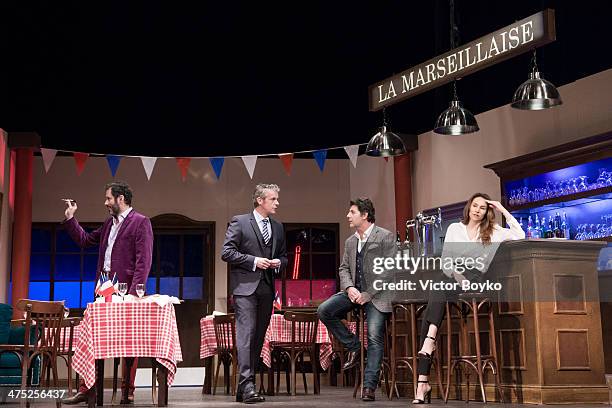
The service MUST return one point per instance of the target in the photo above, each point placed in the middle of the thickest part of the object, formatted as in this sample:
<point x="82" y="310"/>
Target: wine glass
<point x="122" y="289"/>
<point x="140" y="290"/>
<point x="66" y="312"/>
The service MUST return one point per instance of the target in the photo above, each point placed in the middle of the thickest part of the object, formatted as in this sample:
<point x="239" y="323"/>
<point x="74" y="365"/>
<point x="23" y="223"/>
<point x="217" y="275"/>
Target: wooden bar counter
<point x="550" y="341"/>
<point x="549" y="330"/>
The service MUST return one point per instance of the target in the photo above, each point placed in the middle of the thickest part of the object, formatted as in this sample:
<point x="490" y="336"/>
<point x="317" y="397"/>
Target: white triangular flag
<point x="352" y="152"/>
<point x="249" y="163"/>
<point x="48" y="156"/>
<point x="148" y="163"/>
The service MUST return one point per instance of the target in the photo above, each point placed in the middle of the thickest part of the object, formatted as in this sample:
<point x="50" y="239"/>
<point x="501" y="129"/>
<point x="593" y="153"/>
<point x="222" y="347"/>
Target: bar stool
<point x="359" y="329"/>
<point x="469" y="305"/>
<point x="414" y="308"/>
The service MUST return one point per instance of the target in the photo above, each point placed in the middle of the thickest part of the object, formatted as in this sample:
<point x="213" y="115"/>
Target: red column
<point x="403" y="192"/>
<point x="22" y="226"/>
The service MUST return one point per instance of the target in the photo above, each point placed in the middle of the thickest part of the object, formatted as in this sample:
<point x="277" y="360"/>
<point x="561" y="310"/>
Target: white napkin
<point x="162" y="300"/>
<point x="217" y="313"/>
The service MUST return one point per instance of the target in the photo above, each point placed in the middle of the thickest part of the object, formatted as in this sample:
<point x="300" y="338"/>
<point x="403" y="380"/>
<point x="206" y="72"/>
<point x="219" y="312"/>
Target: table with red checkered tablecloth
<point x="279" y="330"/>
<point x="134" y="329"/>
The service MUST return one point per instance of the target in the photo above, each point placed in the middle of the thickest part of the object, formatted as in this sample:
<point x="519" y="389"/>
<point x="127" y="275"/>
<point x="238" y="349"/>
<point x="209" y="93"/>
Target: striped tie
<point x="265" y="233"/>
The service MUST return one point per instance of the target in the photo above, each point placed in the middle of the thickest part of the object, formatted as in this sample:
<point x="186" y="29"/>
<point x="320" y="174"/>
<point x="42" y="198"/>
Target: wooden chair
<point x="225" y="333"/>
<point x="42" y="325"/>
<point x="303" y="340"/>
<point x="65" y="350"/>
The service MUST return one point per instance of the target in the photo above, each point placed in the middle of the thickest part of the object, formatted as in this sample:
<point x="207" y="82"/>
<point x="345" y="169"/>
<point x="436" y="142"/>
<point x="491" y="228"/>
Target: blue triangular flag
<point x="217" y="164"/>
<point x="320" y="156"/>
<point x="113" y="163"/>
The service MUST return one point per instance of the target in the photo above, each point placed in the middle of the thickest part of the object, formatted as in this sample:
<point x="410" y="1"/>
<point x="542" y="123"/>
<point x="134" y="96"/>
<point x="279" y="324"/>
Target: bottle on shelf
<point x="565" y="227"/>
<point x="535" y="233"/>
<point x="558" y="232"/>
<point x="549" y="232"/>
<point x="543" y="227"/>
<point x="529" y="228"/>
<point x="398" y="239"/>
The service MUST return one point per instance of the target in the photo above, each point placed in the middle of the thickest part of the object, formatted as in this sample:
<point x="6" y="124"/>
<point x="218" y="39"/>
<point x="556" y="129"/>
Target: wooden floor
<point x="329" y="397"/>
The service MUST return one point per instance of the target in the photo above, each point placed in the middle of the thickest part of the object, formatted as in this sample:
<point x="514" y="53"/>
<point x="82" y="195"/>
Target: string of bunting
<point x="183" y="163"/>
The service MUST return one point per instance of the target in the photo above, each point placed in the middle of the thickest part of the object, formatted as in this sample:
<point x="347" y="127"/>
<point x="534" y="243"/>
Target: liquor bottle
<point x="529" y="228"/>
<point x="565" y="227"/>
<point x="398" y="239"/>
<point x="535" y="233"/>
<point x="558" y="232"/>
<point x="549" y="231"/>
<point x="543" y="227"/>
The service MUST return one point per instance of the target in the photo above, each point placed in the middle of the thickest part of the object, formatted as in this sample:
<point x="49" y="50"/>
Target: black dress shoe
<point x="369" y="394"/>
<point x="261" y="397"/>
<point x="251" y="397"/>
<point x="352" y="360"/>
<point x="75" y="399"/>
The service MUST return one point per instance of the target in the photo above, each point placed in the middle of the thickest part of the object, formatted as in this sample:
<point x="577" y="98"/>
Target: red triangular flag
<point x="183" y="163"/>
<point x="80" y="159"/>
<point x="287" y="160"/>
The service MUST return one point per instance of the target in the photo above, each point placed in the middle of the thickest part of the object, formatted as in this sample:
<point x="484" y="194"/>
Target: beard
<point x="114" y="210"/>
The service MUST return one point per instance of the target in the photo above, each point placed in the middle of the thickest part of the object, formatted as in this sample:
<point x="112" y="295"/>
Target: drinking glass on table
<point x="140" y="290"/>
<point x="122" y="289"/>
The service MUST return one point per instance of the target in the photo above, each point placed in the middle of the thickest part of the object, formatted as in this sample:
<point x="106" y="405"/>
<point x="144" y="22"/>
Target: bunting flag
<point x="217" y="165"/>
<point x="80" y="159"/>
<point x="352" y="152"/>
<point x="148" y="163"/>
<point x="113" y="163"/>
<point x="249" y="163"/>
<point x="287" y="160"/>
<point x="320" y="156"/>
<point x="48" y="156"/>
<point x="183" y="163"/>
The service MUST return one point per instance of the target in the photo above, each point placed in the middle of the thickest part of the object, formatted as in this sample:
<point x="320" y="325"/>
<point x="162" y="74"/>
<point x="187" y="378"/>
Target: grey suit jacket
<point x="243" y="242"/>
<point x="380" y="243"/>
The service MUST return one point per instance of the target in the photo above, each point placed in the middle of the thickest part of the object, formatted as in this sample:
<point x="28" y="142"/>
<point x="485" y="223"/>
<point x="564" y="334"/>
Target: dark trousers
<point x="252" y="319"/>
<point x="334" y="309"/>
<point x="435" y="311"/>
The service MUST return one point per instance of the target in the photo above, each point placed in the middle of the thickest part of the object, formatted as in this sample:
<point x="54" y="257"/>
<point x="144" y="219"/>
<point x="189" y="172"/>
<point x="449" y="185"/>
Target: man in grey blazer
<point x="255" y="248"/>
<point x="356" y="282"/>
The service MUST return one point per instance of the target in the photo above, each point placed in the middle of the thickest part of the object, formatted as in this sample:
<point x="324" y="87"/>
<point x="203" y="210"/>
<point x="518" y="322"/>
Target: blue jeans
<point x="334" y="309"/>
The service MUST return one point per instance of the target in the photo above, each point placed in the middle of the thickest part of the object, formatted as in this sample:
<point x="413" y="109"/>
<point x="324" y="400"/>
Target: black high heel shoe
<point x="427" y="355"/>
<point x="426" y="395"/>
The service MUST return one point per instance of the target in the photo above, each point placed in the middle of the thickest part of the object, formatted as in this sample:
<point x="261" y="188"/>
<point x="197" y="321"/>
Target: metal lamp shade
<point x="385" y="144"/>
<point x="456" y="121"/>
<point x="536" y="94"/>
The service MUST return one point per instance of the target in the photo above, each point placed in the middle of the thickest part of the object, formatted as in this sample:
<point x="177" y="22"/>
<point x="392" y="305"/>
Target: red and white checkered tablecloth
<point x="136" y="329"/>
<point x="208" y="341"/>
<point x="279" y="330"/>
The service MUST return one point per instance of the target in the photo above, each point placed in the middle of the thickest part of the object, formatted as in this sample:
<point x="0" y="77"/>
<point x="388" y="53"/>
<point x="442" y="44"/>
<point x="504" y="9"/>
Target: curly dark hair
<point x="365" y="205"/>
<point x="120" y="188"/>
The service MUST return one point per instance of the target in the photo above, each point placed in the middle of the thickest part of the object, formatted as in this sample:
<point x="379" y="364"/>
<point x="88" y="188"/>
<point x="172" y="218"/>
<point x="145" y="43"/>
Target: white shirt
<point x="259" y="219"/>
<point x="366" y="234"/>
<point x="117" y="222"/>
<point x="457" y="232"/>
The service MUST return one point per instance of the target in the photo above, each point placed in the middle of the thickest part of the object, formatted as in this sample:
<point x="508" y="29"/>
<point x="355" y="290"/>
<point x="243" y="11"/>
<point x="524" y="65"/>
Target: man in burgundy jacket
<point x="126" y="246"/>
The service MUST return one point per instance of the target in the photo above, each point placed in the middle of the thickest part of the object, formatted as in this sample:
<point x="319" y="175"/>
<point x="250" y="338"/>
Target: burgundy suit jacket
<point x="132" y="251"/>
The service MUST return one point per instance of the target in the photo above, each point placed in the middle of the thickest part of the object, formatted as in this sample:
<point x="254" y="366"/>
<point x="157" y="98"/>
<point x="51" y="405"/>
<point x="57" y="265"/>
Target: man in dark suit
<point x="126" y="247"/>
<point x="255" y="248"/>
<point x="357" y="284"/>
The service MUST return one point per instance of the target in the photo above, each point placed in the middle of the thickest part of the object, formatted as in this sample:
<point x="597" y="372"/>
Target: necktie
<point x="265" y="233"/>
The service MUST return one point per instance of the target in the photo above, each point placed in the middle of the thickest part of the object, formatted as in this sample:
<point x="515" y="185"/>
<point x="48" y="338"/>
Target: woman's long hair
<point x="488" y="221"/>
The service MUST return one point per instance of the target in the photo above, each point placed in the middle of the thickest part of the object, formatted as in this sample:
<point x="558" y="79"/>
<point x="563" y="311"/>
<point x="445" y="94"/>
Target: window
<point x="182" y="262"/>
<point x="59" y="269"/>
<point x="312" y="270"/>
